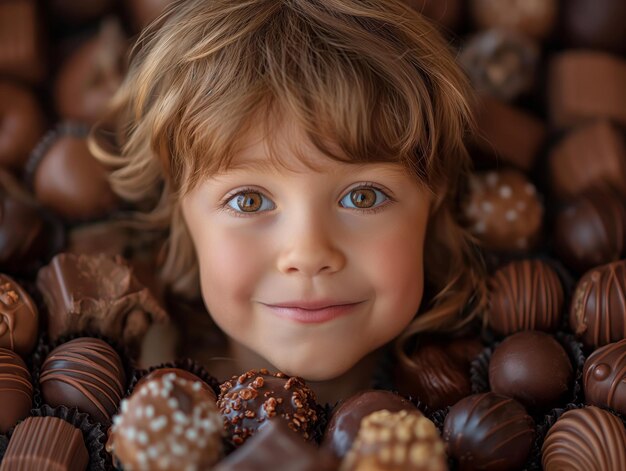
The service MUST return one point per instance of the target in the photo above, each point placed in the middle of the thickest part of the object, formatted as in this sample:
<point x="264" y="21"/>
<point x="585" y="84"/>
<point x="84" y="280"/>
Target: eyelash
<point x="223" y="205"/>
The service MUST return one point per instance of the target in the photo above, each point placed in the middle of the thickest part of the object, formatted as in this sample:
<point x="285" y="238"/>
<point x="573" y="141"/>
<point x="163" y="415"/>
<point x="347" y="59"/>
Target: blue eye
<point x="248" y="201"/>
<point x="363" y="198"/>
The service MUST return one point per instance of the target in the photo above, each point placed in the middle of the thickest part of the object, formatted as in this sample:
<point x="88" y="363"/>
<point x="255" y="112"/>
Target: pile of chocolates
<point x="540" y="383"/>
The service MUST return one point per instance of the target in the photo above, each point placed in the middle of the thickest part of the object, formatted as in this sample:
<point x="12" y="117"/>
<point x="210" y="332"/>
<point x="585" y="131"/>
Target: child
<point x="306" y="156"/>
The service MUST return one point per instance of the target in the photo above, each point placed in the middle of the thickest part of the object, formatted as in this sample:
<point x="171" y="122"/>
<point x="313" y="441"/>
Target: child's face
<point x="305" y="240"/>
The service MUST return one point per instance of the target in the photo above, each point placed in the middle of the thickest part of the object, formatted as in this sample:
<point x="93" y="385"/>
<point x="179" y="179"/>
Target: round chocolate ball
<point x="179" y="373"/>
<point x="587" y="439"/>
<point x="595" y="24"/>
<point x="19" y="317"/>
<point x="531" y="367"/>
<point x="249" y="400"/>
<point x="597" y="313"/>
<point x="490" y="432"/>
<point x="503" y="211"/>
<point x="168" y="423"/>
<point x="346" y="418"/>
<point x="16" y="389"/>
<point x="525" y="295"/>
<point x="86" y="373"/>
<point x="535" y="18"/>
<point x="604" y="377"/>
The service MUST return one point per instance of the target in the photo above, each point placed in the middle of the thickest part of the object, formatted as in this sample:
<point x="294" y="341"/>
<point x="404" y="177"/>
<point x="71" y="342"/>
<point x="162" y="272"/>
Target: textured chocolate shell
<point x="598" y="310"/>
<point x="588" y="439"/>
<point x="19" y="317"/>
<point x="16" y="389"/>
<point x="525" y="295"/>
<point x="604" y="377"/>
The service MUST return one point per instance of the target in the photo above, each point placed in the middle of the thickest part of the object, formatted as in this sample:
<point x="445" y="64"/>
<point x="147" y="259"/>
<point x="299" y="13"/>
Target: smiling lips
<point x="312" y="312"/>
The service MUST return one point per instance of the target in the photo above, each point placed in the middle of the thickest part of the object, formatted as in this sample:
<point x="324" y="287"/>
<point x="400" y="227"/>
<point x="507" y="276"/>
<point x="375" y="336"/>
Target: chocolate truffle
<point x="67" y="178"/>
<point x="590" y="155"/>
<point x="535" y="18"/>
<point x="588" y="439"/>
<point x="591" y="230"/>
<point x="16" y="390"/>
<point x="22" y="124"/>
<point x="249" y="400"/>
<point x="275" y="447"/>
<point x="168" y="423"/>
<point x="506" y="135"/>
<point x="91" y="75"/>
<point x="604" y="377"/>
<point x="597" y="312"/>
<point x="179" y="373"/>
<point x="586" y="85"/>
<point x="346" y="418"/>
<point x="525" y="295"/>
<point x="533" y="368"/>
<point x="86" y="373"/>
<point x="97" y="293"/>
<point x="46" y="443"/>
<point x="503" y="210"/>
<point x="595" y="24"/>
<point x="19" y="317"/>
<point x="500" y="63"/>
<point x="489" y="431"/>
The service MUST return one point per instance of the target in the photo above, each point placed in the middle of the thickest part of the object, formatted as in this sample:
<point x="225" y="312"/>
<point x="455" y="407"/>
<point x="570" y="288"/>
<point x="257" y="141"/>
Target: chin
<point x="315" y="367"/>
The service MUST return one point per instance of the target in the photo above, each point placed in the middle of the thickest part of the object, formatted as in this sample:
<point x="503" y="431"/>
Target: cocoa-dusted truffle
<point x="46" y="443"/>
<point x="16" y="389"/>
<point x="531" y="367"/>
<point x="503" y="210"/>
<point x="97" y="293"/>
<point x="536" y="19"/>
<point x="597" y="310"/>
<point x="500" y="63"/>
<point x="249" y="400"/>
<point x="595" y="24"/>
<point x="604" y="377"/>
<point x="168" y="423"/>
<point x="489" y="431"/>
<point x="525" y="295"/>
<point x="86" y="373"/>
<point x="19" y="317"/>
<point x="591" y="230"/>
<point x="588" y="439"/>
<point x="402" y="441"/>
<point x="346" y="418"/>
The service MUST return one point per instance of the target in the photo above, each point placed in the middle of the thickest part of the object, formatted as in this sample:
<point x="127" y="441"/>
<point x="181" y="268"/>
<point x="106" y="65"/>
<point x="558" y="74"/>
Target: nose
<point x="310" y="248"/>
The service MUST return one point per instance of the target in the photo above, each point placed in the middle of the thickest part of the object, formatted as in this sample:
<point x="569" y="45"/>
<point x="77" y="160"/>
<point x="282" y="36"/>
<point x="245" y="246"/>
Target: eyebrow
<point x="266" y="165"/>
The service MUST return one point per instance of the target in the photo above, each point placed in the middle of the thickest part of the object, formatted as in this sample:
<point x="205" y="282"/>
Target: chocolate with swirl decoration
<point x="86" y="373"/>
<point x="16" y="390"/>
<point x="604" y="377"/>
<point x="598" y="310"/>
<point x="525" y="295"/>
<point x="588" y="439"/>
<point x="19" y="317"/>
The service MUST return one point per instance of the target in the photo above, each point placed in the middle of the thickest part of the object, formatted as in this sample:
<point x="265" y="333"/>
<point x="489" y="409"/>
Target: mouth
<point x="304" y="314"/>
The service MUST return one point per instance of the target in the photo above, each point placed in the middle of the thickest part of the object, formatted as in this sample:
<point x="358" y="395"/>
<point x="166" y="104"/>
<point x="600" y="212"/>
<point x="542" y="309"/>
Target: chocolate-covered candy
<point x="168" y="423"/>
<point x="275" y="447"/>
<point x="251" y="399"/>
<point x="604" y="377"/>
<point x="86" y="373"/>
<point x="596" y="24"/>
<point x="533" y="368"/>
<point x="97" y="293"/>
<point x="16" y="389"/>
<point x="588" y="439"/>
<point x="525" y="295"/>
<point x="500" y="63"/>
<point x="46" y="443"/>
<point x="401" y="440"/>
<point x="489" y="431"/>
<point x="597" y="312"/>
<point x="22" y="124"/>
<point x="346" y="418"/>
<point x="535" y="18"/>
<point x="591" y="230"/>
<point x="67" y="178"/>
<point x="590" y="155"/>
<point x="179" y="373"/>
<point x="503" y="210"/>
<point x="19" y="317"/>
<point x="586" y="85"/>
<point x="91" y="75"/>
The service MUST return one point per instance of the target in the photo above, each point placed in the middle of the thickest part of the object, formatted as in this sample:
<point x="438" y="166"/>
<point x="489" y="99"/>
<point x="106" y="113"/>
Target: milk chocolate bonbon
<point x="604" y="377"/>
<point x="16" y="389"/>
<point x="19" y="317"/>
